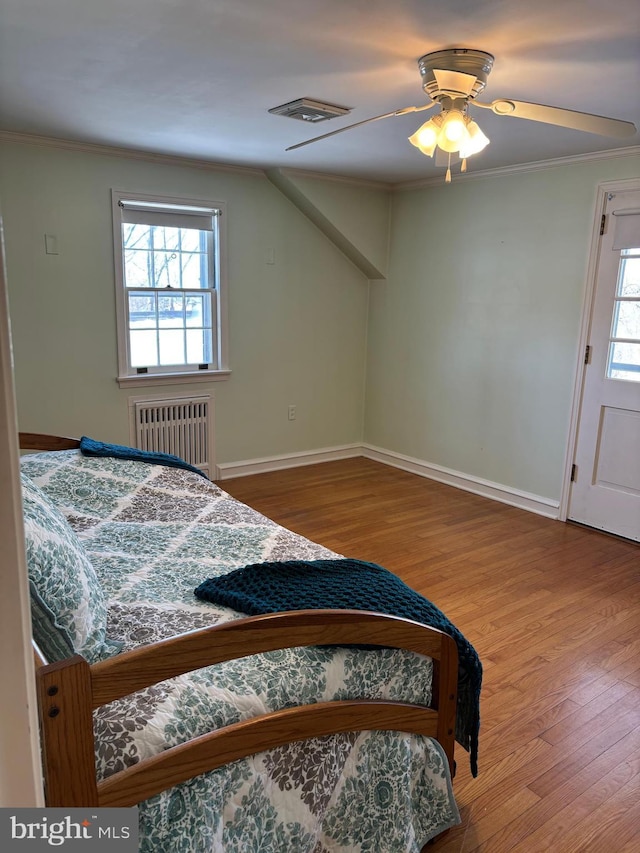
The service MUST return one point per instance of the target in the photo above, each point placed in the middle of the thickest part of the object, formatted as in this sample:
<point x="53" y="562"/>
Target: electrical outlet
<point x="292" y="413"/>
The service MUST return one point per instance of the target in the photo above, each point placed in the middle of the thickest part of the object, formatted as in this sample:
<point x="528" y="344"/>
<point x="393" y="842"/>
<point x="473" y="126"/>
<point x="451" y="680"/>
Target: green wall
<point x="473" y="337"/>
<point x="297" y="327"/>
<point x="357" y="222"/>
<point x="464" y="357"/>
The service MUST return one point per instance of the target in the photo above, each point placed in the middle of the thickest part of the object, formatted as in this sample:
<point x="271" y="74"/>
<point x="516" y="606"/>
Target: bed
<point x="308" y="730"/>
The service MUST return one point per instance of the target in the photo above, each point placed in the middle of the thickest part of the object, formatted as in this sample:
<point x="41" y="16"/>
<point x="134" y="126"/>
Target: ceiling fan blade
<point x="561" y="117"/>
<point x="400" y="112"/>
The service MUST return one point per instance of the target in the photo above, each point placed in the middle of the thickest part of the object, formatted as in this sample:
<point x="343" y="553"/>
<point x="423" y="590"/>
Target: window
<point x="170" y="289"/>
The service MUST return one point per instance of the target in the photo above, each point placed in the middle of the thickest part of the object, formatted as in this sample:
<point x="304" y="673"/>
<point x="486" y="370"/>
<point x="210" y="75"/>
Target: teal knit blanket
<point x="356" y="585"/>
<point x="91" y="447"/>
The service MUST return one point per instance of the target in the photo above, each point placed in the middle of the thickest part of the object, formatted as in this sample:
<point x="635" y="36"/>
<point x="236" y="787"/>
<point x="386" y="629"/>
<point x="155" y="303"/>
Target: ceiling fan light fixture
<point x="454" y="130"/>
<point x="476" y="142"/>
<point x="426" y="137"/>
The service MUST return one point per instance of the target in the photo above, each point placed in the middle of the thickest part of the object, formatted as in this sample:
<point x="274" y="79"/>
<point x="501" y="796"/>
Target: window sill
<point x="173" y="378"/>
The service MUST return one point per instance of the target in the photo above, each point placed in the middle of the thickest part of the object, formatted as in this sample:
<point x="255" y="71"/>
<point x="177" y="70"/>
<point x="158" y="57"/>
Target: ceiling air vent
<point x="308" y="110"/>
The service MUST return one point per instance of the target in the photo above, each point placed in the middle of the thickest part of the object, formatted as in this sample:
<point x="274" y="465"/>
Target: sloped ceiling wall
<point x="354" y="216"/>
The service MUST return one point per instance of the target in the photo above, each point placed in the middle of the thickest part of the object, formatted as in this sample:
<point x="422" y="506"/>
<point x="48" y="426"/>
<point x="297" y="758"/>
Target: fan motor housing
<point x="476" y="63"/>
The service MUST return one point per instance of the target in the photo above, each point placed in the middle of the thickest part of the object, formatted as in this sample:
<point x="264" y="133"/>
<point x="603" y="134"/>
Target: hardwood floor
<point x="554" y="612"/>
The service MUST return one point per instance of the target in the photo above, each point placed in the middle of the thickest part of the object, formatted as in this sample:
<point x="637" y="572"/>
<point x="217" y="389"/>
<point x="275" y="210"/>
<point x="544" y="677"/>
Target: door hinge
<point x="574" y="473"/>
<point x="603" y="223"/>
<point x="587" y="354"/>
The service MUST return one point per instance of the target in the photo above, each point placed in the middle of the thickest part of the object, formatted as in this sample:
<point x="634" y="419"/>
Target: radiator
<point x="182" y="426"/>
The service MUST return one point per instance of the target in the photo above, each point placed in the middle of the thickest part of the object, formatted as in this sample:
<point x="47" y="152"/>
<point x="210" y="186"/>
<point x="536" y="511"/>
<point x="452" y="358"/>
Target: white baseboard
<point x="467" y="482"/>
<point x="226" y="470"/>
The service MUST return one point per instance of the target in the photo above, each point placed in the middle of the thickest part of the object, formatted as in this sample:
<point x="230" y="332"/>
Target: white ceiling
<point x="197" y="77"/>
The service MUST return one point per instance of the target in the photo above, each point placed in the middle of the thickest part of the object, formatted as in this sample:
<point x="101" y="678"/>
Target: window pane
<point x="626" y="320"/>
<point x="136" y="236"/>
<point x="166" y="238"/>
<point x="199" y="310"/>
<point x="624" y="361"/>
<point x="136" y="269"/>
<point x="167" y="269"/>
<point x="144" y="348"/>
<point x="198" y="346"/>
<point x="191" y="240"/>
<point x="171" y="310"/>
<point x="629" y="278"/>
<point x="171" y="346"/>
<point x="142" y="310"/>
<point x="194" y="270"/>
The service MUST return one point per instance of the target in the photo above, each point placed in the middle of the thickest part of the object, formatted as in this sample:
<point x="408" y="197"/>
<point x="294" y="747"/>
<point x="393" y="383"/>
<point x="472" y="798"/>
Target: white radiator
<point x="182" y="426"/>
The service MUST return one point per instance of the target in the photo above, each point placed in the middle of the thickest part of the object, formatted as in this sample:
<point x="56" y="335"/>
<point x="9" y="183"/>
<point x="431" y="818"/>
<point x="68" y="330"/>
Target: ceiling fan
<point x="452" y="79"/>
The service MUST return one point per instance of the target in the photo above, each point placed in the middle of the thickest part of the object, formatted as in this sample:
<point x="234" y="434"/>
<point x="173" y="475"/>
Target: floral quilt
<point x="153" y="534"/>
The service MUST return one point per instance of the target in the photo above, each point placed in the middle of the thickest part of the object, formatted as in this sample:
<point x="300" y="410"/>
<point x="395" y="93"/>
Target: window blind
<point x="626" y="234"/>
<point x="199" y="218"/>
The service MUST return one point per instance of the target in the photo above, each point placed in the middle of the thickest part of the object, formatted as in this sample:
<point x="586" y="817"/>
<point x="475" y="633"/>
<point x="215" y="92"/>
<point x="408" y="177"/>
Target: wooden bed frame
<point x="70" y="690"/>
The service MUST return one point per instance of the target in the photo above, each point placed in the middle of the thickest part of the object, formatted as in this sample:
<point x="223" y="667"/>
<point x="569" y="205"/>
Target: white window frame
<point x="128" y="375"/>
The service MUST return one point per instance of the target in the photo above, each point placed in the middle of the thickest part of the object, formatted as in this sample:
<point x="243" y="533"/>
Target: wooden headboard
<point x="40" y="441"/>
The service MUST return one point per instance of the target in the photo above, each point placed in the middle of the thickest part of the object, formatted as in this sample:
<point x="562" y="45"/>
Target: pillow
<point x="68" y="605"/>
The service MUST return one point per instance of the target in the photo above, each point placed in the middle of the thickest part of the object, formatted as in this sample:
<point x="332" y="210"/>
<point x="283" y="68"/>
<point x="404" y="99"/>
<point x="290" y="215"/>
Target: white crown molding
<point x="535" y="166"/>
<point x="210" y="165"/>
<point x="128" y="153"/>
<point x="338" y="179"/>
<point x="177" y="160"/>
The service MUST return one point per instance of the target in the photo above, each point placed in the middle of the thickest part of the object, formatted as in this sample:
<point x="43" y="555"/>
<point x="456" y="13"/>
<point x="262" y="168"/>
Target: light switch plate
<point x="51" y="244"/>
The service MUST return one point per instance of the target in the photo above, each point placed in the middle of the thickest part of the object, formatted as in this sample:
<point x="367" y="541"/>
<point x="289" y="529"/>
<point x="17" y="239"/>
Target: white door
<point x="605" y="489"/>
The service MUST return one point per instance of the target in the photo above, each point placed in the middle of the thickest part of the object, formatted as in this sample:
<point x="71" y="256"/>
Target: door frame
<point x="20" y="765"/>
<point x="604" y="188"/>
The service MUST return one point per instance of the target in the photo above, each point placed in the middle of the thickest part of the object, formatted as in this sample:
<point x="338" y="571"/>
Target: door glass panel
<point x="624" y="341"/>
<point x="629" y="278"/>
<point x="626" y="319"/>
<point x="624" y="361"/>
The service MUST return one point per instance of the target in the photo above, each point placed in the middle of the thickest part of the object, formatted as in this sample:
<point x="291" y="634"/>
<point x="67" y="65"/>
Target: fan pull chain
<point x="447" y="179"/>
<point x="463" y="166"/>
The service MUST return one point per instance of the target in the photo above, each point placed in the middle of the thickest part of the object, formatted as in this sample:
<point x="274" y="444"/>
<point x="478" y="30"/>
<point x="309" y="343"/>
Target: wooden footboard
<point x="69" y="691"/>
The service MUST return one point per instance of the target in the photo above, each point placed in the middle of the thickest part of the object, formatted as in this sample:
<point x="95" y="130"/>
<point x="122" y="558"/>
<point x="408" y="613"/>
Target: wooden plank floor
<point x="554" y="612"/>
